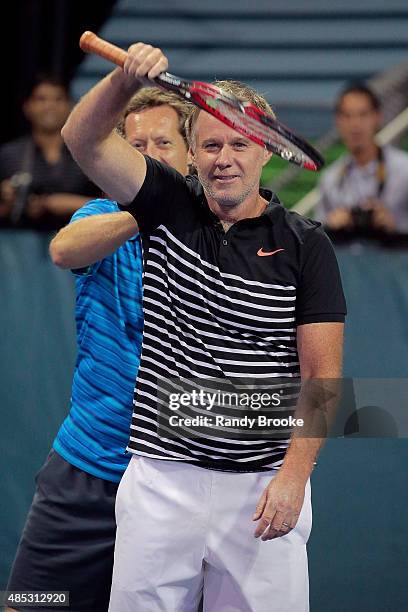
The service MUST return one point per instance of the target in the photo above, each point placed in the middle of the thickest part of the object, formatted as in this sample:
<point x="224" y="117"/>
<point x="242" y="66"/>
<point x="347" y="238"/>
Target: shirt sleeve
<point x="320" y="295"/>
<point x="95" y="207"/>
<point x="163" y="197"/>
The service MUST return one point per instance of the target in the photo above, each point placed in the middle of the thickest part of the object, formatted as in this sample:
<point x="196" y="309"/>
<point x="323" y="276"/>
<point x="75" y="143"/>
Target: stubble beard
<point x="226" y="201"/>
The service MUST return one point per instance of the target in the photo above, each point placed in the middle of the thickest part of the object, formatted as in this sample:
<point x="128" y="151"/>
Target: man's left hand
<point x="279" y="506"/>
<point x="382" y="217"/>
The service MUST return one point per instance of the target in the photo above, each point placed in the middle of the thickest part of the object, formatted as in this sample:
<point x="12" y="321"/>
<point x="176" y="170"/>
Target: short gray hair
<point x="238" y="89"/>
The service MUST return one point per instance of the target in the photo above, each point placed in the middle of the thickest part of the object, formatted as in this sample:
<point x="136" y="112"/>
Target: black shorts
<point x="68" y="539"/>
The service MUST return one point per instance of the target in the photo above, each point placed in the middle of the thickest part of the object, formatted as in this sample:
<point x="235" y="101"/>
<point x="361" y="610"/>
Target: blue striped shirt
<point x="109" y="320"/>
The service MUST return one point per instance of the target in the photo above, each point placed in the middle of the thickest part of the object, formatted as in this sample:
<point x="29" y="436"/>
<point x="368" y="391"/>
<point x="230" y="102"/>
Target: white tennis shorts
<point x="183" y="530"/>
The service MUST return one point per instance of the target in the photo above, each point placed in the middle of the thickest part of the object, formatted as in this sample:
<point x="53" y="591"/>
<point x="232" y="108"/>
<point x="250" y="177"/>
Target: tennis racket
<point x="242" y="116"/>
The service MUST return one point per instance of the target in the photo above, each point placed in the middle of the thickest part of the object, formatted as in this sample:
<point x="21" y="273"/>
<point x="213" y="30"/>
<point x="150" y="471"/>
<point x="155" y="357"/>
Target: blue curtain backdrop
<point x="358" y="548"/>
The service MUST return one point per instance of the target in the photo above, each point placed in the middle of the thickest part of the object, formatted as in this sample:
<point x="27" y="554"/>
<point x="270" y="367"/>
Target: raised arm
<point x="108" y="160"/>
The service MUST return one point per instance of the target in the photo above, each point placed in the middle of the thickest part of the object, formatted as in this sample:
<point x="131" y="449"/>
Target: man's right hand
<point x="109" y="161"/>
<point x="338" y="219"/>
<point x="145" y="62"/>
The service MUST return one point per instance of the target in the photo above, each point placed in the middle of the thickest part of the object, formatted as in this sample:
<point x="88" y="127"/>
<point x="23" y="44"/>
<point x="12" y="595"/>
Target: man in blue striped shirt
<point x="68" y="540"/>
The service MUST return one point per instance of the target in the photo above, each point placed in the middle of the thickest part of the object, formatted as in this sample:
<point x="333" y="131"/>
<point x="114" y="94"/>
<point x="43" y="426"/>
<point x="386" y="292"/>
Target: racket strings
<point x="266" y="136"/>
<point x="252" y="128"/>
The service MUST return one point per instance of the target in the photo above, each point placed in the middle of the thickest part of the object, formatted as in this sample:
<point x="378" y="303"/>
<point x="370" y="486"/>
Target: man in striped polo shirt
<point x="68" y="540"/>
<point x="235" y="289"/>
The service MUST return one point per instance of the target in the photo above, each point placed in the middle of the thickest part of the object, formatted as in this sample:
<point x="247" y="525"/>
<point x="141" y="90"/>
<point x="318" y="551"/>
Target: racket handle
<point x="91" y="43"/>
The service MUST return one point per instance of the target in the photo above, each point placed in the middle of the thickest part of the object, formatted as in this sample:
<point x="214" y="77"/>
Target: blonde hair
<point x="151" y="97"/>
<point x="236" y="88"/>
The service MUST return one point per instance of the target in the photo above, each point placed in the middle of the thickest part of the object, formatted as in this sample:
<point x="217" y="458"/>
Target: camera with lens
<point x="362" y="219"/>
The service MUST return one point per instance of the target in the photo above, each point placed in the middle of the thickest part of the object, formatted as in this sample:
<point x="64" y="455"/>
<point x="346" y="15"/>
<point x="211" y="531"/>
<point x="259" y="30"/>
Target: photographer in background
<point x="40" y="184"/>
<point x="365" y="192"/>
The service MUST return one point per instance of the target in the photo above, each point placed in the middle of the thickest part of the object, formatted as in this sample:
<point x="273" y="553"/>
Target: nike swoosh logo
<point x="263" y="253"/>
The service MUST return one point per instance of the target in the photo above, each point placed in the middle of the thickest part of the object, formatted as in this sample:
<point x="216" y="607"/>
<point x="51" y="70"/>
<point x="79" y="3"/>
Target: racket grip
<point x="91" y="43"/>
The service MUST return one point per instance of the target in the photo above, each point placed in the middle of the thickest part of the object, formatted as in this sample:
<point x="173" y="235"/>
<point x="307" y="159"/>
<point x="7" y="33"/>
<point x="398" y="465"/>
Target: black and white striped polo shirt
<point x="222" y="307"/>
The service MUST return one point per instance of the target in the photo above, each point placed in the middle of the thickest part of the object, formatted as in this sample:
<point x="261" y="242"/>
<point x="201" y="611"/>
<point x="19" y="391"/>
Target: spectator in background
<point x="40" y="184"/>
<point x="366" y="191"/>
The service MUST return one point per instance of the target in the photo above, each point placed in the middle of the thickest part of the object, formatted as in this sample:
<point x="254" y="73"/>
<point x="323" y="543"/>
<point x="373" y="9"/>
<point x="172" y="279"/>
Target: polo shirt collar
<point x="268" y="195"/>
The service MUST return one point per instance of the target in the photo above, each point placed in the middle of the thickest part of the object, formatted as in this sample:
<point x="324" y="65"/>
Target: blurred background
<point x="300" y="54"/>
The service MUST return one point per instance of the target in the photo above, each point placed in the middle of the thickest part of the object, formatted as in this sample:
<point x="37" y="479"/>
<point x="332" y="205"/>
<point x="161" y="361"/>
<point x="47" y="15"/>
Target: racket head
<point x="241" y="115"/>
<point x="253" y="123"/>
